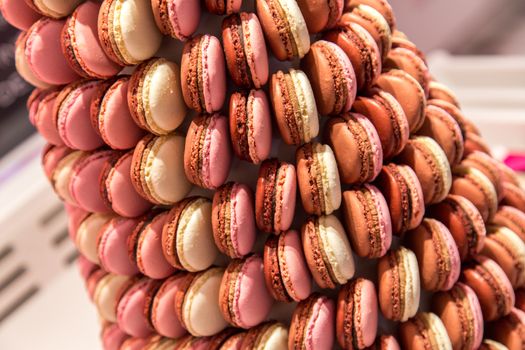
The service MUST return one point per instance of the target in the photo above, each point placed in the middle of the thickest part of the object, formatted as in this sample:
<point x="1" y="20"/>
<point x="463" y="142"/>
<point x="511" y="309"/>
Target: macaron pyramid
<point x="203" y="224"/>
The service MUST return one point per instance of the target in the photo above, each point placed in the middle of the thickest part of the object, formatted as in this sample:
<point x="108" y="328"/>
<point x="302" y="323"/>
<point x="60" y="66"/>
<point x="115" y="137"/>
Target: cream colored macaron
<point x="87" y="233"/>
<point x="157" y="169"/>
<point x="199" y="309"/>
<point x="325" y="236"/>
<point x="127" y="31"/>
<point x="54" y="8"/>
<point x="107" y="294"/>
<point x="155" y="96"/>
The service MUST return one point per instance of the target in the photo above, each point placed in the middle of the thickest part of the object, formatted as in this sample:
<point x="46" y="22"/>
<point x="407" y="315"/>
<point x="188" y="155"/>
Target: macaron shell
<point x="87" y="232"/>
<point x="513" y="196"/>
<point x="150" y="260"/>
<point x="261" y="132"/>
<point x="488" y="166"/>
<point x="439" y="91"/>
<point x="286" y="200"/>
<point x="163" y="170"/>
<point x="357" y="313"/>
<point x="475" y="186"/>
<point x="464" y="332"/>
<point x="294" y="269"/>
<point x="207" y="155"/>
<point x="62" y="176"/>
<point x="437" y="254"/>
<point x="131" y="317"/>
<point x="214" y="75"/>
<point x="431" y="166"/>
<point x="445" y="131"/>
<point x="512" y="218"/>
<point x="368" y="222"/>
<point x="398" y="272"/>
<point x="252" y="301"/>
<point x="115" y="123"/>
<point x="257" y="56"/>
<point x="177" y="18"/>
<point x="196" y="249"/>
<point x="424" y="330"/>
<point x="243" y="231"/>
<point x="108" y="291"/>
<point x="22" y="64"/>
<point x="492" y="287"/>
<point x="84" y="184"/>
<point x="112" y="246"/>
<point x="44" y="119"/>
<point x="313" y="324"/>
<point x="44" y="54"/>
<point x="124" y="199"/>
<point x="54" y="8"/>
<point x="356" y="146"/>
<point x="163" y="316"/>
<point x="354" y="39"/>
<point x="321" y="15"/>
<point x="510" y="330"/>
<point x="18" y="14"/>
<point x="200" y="310"/>
<point x="388" y="118"/>
<point x="112" y="336"/>
<point x="332" y="77"/>
<point x="85" y="46"/>
<point x="73" y="116"/>
<point x="508" y="250"/>
<point x="464" y="222"/>
<point x="136" y="34"/>
<point x="164" y="107"/>
<point x="408" y="61"/>
<point x="134" y="343"/>
<point x="408" y="93"/>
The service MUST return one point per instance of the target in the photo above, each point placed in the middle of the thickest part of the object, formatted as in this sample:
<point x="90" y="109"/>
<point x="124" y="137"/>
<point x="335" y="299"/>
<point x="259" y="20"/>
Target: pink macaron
<point x="110" y="114"/>
<point x="112" y="335"/>
<point x="112" y="246"/>
<point x="51" y="155"/>
<point x="133" y="308"/>
<point x="18" y="14"/>
<point x="81" y="45"/>
<point x="134" y="343"/>
<point x="207" y="153"/>
<point x="72" y="116"/>
<point x="244" y="299"/>
<point x="233" y="219"/>
<point x="42" y="116"/>
<point x="84" y="183"/>
<point x="162" y="312"/>
<point x="75" y="216"/>
<point x="44" y="54"/>
<point x="146" y="245"/>
<point x="117" y="189"/>
<point x="285" y="268"/>
<point x="313" y="324"/>
<point x="177" y="18"/>
<point x="203" y="74"/>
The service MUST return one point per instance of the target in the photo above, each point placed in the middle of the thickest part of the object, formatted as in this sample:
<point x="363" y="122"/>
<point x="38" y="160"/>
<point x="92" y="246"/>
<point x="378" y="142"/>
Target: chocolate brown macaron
<point x="275" y="196"/>
<point x="404" y="195"/>
<point x="464" y="222"/>
<point x="388" y="118"/>
<point x="357" y="147"/>
<point x="408" y="93"/>
<point x="318" y="179"/>
<point x="444" y="129"/>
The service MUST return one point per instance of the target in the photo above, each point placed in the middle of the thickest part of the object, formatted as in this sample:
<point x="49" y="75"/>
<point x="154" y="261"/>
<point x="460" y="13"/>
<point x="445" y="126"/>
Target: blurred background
<point x="477" y="47"/>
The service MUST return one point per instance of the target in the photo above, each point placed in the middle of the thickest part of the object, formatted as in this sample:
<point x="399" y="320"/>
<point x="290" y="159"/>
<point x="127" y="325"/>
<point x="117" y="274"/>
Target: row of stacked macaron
<point x="399" y="96"/>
